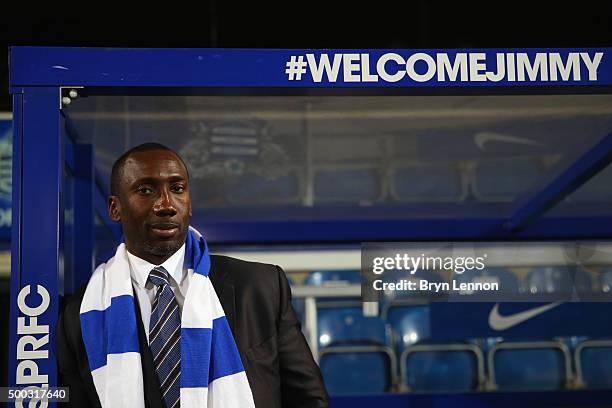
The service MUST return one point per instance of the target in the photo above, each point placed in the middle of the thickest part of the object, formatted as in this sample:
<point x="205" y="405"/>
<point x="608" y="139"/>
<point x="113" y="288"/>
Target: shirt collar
<point x="140" y="268"/>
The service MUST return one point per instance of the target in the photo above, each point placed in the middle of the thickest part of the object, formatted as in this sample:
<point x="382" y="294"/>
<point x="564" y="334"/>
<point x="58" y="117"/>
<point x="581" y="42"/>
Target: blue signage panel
<point x="310" y="68"/>
<point x="520" y="320"/>
<point x="35" y="240"/>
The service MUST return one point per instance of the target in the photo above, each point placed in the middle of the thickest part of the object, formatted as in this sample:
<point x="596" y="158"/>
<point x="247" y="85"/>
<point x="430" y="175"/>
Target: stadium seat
<point x="528" y="366"/>
<point x="427" y="182"/>
<point x="407" y="312"/>
<point x="355" y="357"/>
<point x="503" y="179"/>
<point x="442" y="368"/>
<point x="558" y="280"/>
<point x="352" y="372"/>
<point x="409" y="324"/>
<point x="427" y="366"/>
<point x="594" y="364"/>
<point x="360" y="185"/>
<point x="347" y="326"/>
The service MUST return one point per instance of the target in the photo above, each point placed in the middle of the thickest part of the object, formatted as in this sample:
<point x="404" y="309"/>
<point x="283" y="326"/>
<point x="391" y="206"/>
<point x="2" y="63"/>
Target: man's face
<point x="153" y="204"/>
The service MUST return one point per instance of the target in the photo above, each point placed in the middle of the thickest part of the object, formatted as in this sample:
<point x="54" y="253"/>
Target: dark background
<point x="346" y="24"/>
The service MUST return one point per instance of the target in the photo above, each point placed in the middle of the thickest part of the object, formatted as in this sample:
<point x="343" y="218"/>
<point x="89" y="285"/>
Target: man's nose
<point x="164" y="206"/>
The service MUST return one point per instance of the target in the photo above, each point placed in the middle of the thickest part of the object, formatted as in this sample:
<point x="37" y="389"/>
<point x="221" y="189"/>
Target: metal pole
<point x="37" y="178"/>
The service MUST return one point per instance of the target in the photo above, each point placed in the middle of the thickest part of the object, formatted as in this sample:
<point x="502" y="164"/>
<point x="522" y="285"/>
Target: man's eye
<point x="178" y="189"/>
<point x="145" y="190"/>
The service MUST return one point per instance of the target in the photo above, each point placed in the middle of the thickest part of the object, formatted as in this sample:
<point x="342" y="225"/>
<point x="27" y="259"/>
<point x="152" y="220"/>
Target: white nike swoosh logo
<point x="499" y="322"/>
<point x="483" y="137"/>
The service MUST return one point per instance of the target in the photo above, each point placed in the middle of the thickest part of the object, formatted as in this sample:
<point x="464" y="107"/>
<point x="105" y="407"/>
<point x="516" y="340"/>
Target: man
<point x="150" y="198"/>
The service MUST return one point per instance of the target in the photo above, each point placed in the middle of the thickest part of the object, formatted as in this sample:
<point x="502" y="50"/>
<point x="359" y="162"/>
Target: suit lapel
<point x="221" y="281"/>
<point x="228" y="302"/>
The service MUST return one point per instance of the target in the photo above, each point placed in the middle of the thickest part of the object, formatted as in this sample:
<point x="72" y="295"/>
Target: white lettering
<point x="33" y="328"/>
<point x="462" y="66"/>
<point x="33" y="311"/>
<point x="511" y="68"/>
<point x="592" y="64"/>
<point x="433" y="286"/>
<point x="380" y="67"/>
<point x="459" y="66"/>
<point x="539" y="65"/>
<point x="572" y="66"/>
<point x="431" y="67"/>
<point x="501" y="69"/>
<point x="30" y="348"/>
<point x="32" y="377"/>
<point x="23" y="354"/>
<point x="416" y="263"/>
<point x="476" y="66"/>
<point x="350" y="63"/>
<point x="365" y="69"/>
<point x="324" y="66"/>
<point x="377" y="265"/>
<point x="470" y="287"/>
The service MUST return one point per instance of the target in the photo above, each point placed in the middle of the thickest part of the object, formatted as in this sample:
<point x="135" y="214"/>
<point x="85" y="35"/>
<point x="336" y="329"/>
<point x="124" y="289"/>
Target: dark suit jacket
<point x="257" y="302"/>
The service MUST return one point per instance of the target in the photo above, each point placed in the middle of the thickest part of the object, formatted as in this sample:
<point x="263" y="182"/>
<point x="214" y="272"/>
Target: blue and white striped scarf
<point x="212" y="374"/>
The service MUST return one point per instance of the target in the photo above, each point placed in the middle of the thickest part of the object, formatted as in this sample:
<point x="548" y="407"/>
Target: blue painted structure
<point x="39" y="66"/>
<point x="43" y="147"/>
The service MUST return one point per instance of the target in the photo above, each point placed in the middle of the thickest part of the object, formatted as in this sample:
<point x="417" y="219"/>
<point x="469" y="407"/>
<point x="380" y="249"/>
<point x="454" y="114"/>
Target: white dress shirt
<point x="145" y="291"/>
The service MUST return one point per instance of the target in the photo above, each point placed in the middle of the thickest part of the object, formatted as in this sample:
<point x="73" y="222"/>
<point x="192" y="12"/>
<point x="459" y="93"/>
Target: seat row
<point x="395" y="352"/>
<point x="495" y="180"/>
<point x="359" y="354"/>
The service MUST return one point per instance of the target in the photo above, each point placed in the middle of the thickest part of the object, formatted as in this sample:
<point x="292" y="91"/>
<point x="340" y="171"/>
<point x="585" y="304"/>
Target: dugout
<point x="307" y="150"/>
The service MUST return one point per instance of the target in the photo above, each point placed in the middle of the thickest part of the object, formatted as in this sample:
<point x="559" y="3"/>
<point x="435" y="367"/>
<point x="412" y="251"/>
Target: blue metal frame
<point x="15" y="230"/>
<point x="219" y="71"/>
<point x="83" y="215"/>
<point x="425" y="229"/>
<point x="575" y="175"/>
<point x="38" y="164"/>
<point x="38" y="73"/>
<point x="205" y="67"/>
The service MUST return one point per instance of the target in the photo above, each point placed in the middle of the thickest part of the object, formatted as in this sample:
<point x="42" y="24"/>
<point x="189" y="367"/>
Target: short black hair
<point x="145" y="147"/>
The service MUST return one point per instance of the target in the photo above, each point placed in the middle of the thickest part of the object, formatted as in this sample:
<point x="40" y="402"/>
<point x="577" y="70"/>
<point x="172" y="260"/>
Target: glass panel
<point x="478" y="154"/>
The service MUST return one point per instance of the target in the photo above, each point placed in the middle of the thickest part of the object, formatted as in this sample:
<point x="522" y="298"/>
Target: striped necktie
<point x="165" y="338"/>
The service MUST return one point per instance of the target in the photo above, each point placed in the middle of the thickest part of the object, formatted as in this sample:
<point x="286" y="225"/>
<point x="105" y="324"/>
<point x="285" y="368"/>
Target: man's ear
<point x="114" y="208"/>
